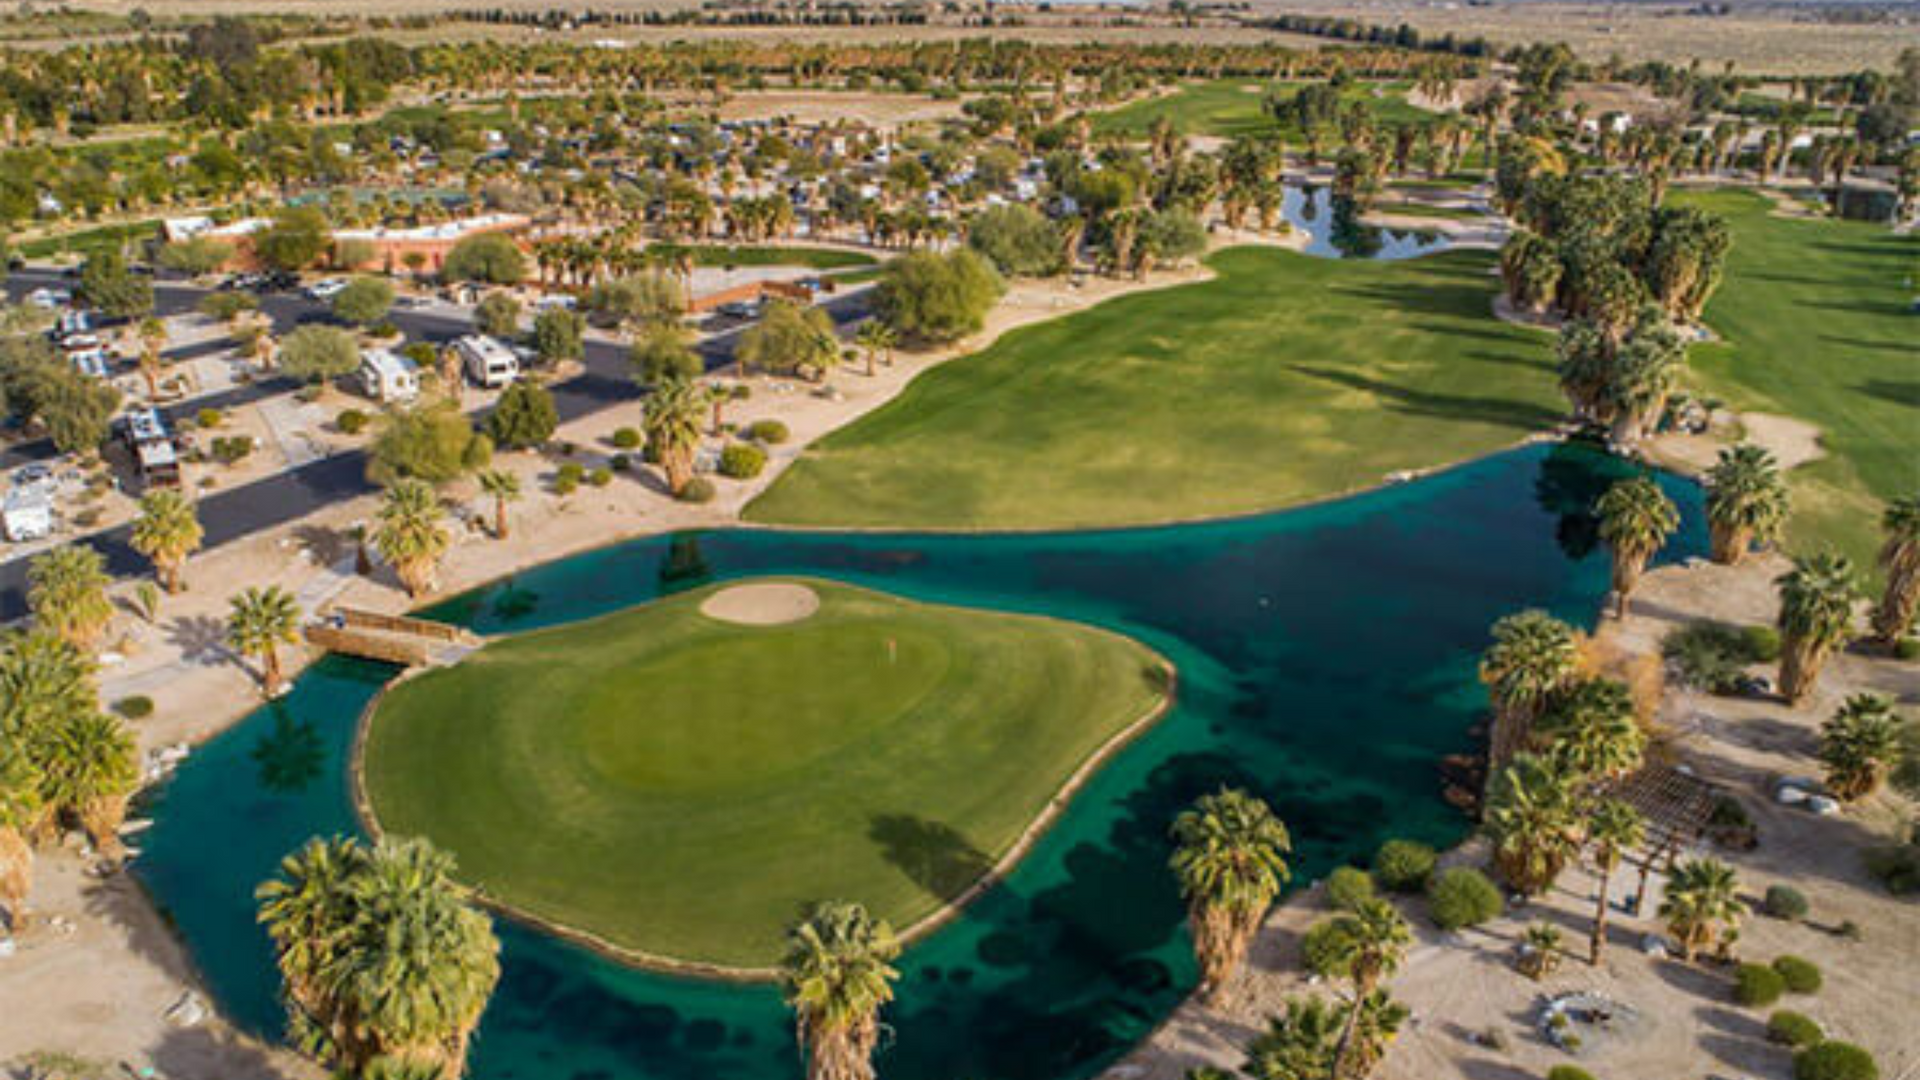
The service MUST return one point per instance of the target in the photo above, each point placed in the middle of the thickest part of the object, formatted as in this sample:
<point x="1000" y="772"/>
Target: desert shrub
<point x="565" y="485"/>
<point x="1834" y="1061"/>
<point x="1348" y="887"/>
<point x="350" y="421"/>
<point x="1907" y="648"/>
<point x="1403" y="866"/>
<point x="229" y="450"/>
<point x="742" y="461"/>
<point x="1462" y="897"/>
<point x="620" y="462"/>
<point x="698" y="490"/>
<point x="208" y="418"/>
<point x="1789" y="1028"/>
<point x="1568" y="1072"/>
<point x="627" y="438"/>
<point x="1897" y="867"/>
<point x="137" y="707"/>
<point x="771" y="432"/>
<point x="1757" y="984"/>
<point x="1802" y="976"/>
<point x="600" y="477"/>
<point x="1785" y="902"/>
<point x="572" y="470"/>
<point x="1713" y="656"/>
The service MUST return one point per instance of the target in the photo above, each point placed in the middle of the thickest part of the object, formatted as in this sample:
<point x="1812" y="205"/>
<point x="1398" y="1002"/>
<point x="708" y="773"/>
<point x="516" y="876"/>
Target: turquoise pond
<point x="1327" y="662"/>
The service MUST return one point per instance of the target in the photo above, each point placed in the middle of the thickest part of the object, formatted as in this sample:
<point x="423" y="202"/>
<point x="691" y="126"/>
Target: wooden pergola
<point x="1677" y="807"/>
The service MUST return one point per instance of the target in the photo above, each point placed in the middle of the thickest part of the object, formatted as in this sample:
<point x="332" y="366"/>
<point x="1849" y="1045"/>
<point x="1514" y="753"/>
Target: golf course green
<point x="1225" y="108"/>
<point x="1285" y="379"/>
<point x="679" y="786"/>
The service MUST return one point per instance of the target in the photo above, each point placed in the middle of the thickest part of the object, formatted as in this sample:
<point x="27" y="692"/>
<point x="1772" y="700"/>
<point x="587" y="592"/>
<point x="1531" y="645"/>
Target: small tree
<point x="364" y="301"/>
<point x="434" y="443"/>
<point x="167" y="531"/>
<point x="498" y="314"/>
<point x="789" y="339"/>
<point x="119" y="293"/>
<point x="504" y="487"/>
<point x="1702" y="904"/>
<point x="662" y="351"/>
<point x="67" y="593"/>
<point x="1860" y="745"/>
<point x="489" y="258"/>
<point x="559" y="334"/>
<point x="294" y="240"/>
<point x="524" y="417"/>
<point x="1017" y="239"/>
<point x="932" y="298"/>
<point x="315" y="353"/>
<point x="196" y="256"/>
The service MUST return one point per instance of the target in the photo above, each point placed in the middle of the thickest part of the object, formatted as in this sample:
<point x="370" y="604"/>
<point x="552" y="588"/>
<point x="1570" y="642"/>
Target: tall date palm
<point x="1746" y="501"/>
<point x="1816" y="612"/>
<point x="1900" y="558"/>
<point x="1636" y="518"/>
<point x="1533" y="656"/>
<point x="1230" y="857"/>
<point x="837" y="974"/>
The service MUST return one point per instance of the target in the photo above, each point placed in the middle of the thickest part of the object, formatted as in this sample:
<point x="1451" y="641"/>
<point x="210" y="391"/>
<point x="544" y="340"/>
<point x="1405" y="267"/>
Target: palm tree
<point x="87" y="770"/>
<point x="505" y="488"/>
<point x="1300" y="1041"/>
<point x="153" y="338"/>
<point x="876" y="337"/>
<point x="1614" y="828"/>
<point x="1860" y="745"/>
<point x="1746" y="501"/>
<point x="836" y="976"/>
<point x="1533" y="656"/>
<point x="167" y="531"/>
<point x="1594" y="734"/>
<point x="1900" y="558"/>
<point x="1702" y="902"/>
<point x="675" y="410"/>
<point x="20" y="784"/>
<point x="1542" y="941"/>
<point x="67" y="592"/>
<point x="410" y="535"/>
<point x="1533" y="822"/>
<point x="1636" y="518"/>
<point x="1230" y="857"/>
<point x="1372" y="941"/>
<point x="386" y="964"/>
<point x="44" y="679"/>
<point x="1816" y="611"/>
<point x="262" y="620"/>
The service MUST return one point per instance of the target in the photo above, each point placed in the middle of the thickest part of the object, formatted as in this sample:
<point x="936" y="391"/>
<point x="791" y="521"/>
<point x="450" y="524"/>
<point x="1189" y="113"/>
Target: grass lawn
<point x="814" y="258"/>
<point x="1287" y="378"/>
<point x="1232" y="107"/>
<point x="683" y="786"/>
<point x="1815" y="321"/>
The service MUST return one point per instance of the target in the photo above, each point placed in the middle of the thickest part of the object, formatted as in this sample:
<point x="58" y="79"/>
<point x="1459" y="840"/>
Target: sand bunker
<point x="766" y="603"/>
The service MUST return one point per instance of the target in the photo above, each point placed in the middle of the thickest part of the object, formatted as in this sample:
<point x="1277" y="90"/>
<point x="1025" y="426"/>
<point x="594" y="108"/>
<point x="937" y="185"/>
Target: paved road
<point x="295" y="493"/>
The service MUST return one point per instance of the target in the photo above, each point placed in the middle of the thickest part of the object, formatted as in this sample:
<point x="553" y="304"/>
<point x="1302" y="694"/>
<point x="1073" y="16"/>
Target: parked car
<point x="326" y="290"/>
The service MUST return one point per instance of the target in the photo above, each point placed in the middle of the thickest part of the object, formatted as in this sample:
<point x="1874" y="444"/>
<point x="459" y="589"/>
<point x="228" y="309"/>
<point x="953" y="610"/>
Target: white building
<point x="27" y="514"/>
<point x="388" y="376"/>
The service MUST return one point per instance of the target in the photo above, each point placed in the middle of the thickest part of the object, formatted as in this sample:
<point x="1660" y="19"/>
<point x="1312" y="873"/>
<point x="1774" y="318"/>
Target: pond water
<point x="1326" y="658"/>
<point x="1334" y="230"/>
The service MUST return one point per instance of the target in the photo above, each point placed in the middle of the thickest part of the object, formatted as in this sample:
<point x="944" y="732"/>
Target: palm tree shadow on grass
<point x="936" y="856"/>
<point x="1486" y="410"/>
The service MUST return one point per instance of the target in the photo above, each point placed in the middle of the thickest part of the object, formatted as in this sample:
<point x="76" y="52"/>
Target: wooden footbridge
<point x="395" y="639"/>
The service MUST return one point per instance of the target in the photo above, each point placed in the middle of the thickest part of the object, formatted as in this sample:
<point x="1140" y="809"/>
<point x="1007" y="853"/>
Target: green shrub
<point x="600" y="477"/>
<point x="1789" y="1028"/>
<point x="1712" y="656"/>
<point x="771" y="432"/>
<point x="564" y="484"/>
<point x="228" y="450"/>
<point x="620" y="462"/>
<point x="1907" y="648"/>
<point x="1347" y="887"/>
<point x="1568" y="1072"/>
<point x="1757" y="984"/>
<point x="627" y="438"/>
<point x="1897" y="867"/>
<point x="1462" y="897"/>
<point x="1323" y="949"/>
<point x="1801" y="975"/>
<point x="1785" y="902"/>
<point x="351" y="421"/>
<point x="742" y="461"/>
<point x="137" y="707"/>
<point x="1403" y="866"/>
<point x="1834" y="1061"/>
<point x="571" y="470"/>
<point x="208" y="418"/>
<point x="698" y="490"/>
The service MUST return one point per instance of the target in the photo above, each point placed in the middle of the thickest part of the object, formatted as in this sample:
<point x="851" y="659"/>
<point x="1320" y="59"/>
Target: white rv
<point x="387" y="376"/>
<point x="27" y="514"/>
<point x="488" y="362"/>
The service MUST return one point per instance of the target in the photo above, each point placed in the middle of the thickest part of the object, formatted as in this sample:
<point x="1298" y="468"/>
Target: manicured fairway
<point x="683" y="786"/>
<point x="1816" y="325"/>
<point x="1287" y="378"/>
<point x="1230" y="107"/>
